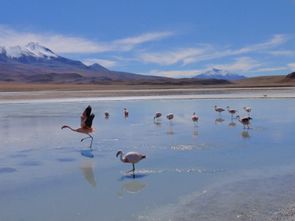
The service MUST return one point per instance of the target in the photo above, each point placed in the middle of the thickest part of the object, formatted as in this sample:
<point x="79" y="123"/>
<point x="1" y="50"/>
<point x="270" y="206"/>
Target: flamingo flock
<point x="134" y="157"/>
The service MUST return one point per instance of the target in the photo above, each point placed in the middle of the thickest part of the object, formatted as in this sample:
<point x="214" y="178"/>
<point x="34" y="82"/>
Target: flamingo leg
<point x="89" y="136"/>
<point x="196" y="123"/>
<point x="133" y="169"/>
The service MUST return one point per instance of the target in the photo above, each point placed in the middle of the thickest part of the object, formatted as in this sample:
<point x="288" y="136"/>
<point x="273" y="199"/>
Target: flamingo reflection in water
<point x="131" y="187"/>
<point x="87" y="168"/>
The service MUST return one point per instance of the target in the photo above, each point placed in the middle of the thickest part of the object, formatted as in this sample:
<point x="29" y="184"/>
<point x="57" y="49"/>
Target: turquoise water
<point x="43" y="176"/>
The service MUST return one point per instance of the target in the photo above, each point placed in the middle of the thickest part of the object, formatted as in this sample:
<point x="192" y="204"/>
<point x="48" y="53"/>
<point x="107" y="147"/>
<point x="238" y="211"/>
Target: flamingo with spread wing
<point x="86" y="125"/>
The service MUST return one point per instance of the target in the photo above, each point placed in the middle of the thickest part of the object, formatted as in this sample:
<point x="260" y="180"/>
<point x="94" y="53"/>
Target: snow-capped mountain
<point x="36" y="58"/>
<point x="36" y="63"/>
<point x="219" y="74"/>
<point x="31" y="49"/>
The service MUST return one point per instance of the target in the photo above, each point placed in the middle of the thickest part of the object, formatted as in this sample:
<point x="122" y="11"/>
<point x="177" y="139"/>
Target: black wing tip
<point x="88" y="110"/>
<point x="89" y="120"/>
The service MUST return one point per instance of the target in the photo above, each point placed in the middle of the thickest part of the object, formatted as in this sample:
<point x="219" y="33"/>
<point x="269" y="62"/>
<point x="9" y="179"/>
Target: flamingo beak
<point x="118" y="153"/>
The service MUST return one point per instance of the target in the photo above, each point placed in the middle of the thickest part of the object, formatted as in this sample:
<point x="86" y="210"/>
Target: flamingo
<point x="248" y="110"/>
<point x="245" y="121"/>
<point x="195" y="117"/>
<point x="170" y="116"/>
<point x="157" y="115"/>
<point x="218" y="109"/>
<point x="130" y="157"/>
<point x="86" y="124"/>
<point x="231" y="111"/>
<point x="106" y="115"/>
<point x="126" y="113"/>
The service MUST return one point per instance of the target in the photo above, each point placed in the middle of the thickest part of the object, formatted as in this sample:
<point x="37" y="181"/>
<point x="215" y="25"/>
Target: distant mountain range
<point x="35" y="63"/>
<point x="219" y="74"/>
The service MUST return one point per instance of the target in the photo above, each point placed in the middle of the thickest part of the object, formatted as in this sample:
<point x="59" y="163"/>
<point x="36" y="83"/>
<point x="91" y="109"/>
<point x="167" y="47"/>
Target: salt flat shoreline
<point x="120" y="94"/>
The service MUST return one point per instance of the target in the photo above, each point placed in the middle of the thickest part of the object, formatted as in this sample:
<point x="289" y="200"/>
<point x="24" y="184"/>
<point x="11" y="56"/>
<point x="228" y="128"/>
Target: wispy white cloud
<point x="240" y="65"/>
<point x="292" y="66"/>
<point x="271" y="69"/>
<point x="58" y="43"/>
<point x="130" y="42"/>
<point x="282" y="53"/>
<point x="275" y="41"/>
<point x="243" y="64"/>
<point x="70" y="44"/>
<point x="186" y="56"/>
<point x="104" y="62"/>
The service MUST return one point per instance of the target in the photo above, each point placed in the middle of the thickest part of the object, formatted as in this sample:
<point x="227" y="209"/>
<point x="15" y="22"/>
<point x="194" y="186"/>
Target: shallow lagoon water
<point x="44" y="176"/>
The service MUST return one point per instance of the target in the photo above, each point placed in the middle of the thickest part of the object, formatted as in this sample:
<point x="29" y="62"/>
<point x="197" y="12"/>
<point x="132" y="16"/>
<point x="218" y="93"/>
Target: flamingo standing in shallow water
<point x="106" y="115"/>
<point x="126" y="113"/>
<point x="245" y="121"/>
<point x="170" y="116"/>
<point x="195" y="118"/>
<point x="157" y="115"/>
<point x="248" y="110"/>
<point x="231" y="111"/>
<point x="218" y="109"/>
<point x="130" y="157"/>
<point x="86" y="124"/>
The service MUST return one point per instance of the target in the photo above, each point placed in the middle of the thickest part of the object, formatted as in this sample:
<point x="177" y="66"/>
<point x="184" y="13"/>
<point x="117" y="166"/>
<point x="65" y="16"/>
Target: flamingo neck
<point x="121" y="157"/>
<point x="66" y="126"/>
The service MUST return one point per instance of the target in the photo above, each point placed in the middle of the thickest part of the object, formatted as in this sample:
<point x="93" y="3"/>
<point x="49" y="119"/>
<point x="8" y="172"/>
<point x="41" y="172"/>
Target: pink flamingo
<point x="86" y="124"/>
<point x="195" y="117"/>
<point x="248" y="110"/>
<point x="170" y="116"/>
<point x="126" y="113"/>
<point x="130" y="157"/>
<point x="218" y="109"/>
<point x="231" y="111"/>
<point x="157" y="115"/>
<point x="106" y="115"/>
<point x="245" y="121"/>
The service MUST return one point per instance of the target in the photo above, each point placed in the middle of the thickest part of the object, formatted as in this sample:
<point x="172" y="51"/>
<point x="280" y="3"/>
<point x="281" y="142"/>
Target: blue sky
<point x="159" y="37"/>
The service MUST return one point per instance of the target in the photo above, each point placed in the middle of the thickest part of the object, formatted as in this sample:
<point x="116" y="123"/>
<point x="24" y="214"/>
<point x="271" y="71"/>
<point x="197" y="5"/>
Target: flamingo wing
<point x="89" y="120"/>
<point x="87" y="111"/>
<point x="87" y="117"/>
